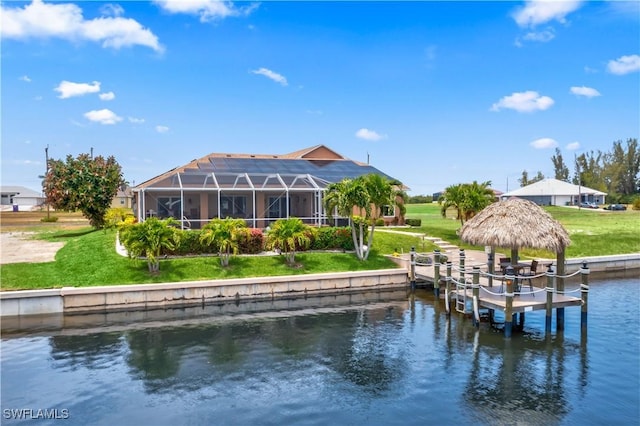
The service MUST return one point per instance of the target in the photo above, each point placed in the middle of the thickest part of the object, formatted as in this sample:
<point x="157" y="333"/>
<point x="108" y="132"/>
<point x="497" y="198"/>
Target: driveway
<point x="19" y="247"/>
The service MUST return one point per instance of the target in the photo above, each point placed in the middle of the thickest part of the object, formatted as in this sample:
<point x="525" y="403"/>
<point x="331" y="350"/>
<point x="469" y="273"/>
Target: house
<point x="256" y="187"/>
<point x="20" y="198"/>
<point x="554" y="192"/>
<point x="123" y="198"/>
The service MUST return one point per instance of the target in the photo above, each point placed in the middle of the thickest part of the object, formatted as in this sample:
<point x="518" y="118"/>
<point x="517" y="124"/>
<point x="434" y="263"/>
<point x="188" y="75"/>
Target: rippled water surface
<point x="378" y="359"/>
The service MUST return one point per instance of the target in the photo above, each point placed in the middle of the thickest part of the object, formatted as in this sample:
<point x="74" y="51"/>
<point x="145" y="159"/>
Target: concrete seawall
<point x="69" y="300"/>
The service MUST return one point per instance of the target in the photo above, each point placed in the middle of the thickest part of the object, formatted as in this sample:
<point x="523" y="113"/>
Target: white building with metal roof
<point x="20" y="196"/>
<point x="554" y="192"/>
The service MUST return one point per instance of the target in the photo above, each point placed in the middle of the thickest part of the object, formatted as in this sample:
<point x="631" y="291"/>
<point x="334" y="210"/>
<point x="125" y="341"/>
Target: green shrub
<point x="332" y="238"/>
<point x="379" y="222"/>
<point x="119" y="216"/>
<point x="635" y="205"/>
<point x="49" y="219"/>
<point x="413" y="222"/>
<point x="251" y="241"/>
<point x="189" y="244"/>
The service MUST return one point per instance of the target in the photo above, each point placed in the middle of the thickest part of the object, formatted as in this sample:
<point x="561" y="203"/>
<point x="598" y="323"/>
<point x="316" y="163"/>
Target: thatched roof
<point x="515" y="223"/>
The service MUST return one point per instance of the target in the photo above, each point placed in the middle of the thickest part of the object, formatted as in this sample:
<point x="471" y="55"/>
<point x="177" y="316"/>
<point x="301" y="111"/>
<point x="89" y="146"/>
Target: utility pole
<point x="46" y="157"/>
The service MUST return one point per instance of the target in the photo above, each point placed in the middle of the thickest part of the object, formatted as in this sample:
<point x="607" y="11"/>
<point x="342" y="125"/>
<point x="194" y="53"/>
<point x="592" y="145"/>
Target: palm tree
<point x="477" y="197"/>
<point x="452" y="197"/>
<point x="366" y="195"/>
<point x="224" y="234"/>
<point x="467" y="199"/>
<point x="288" y="235"/>
<point x="148" y="238"/>
<point x="343" y="198"/>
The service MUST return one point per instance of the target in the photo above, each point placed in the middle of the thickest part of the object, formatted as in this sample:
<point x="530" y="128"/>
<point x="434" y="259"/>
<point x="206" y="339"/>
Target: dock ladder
<point x="461" y="297"/>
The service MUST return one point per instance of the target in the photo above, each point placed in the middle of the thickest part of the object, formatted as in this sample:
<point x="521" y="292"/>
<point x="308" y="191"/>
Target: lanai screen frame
<point x="224" y="183"/>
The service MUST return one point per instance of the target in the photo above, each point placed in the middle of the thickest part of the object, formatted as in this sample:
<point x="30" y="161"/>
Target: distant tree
<point x="590" y="170"/>
<point x="524" y="180"/>
<point x="560" y="168"/>
<point x="420" y="199"/>
<point x="624" y="167"/>
<point x="83" y="183"/>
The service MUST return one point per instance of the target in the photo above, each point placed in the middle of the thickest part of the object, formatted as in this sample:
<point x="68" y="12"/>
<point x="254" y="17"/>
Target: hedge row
<point x="253" y="241"/>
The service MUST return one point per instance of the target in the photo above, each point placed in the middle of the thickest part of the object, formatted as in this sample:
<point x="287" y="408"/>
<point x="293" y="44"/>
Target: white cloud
<point x="544" y="143"/>
<point x="536" y="12"/>
<point x="589" y="70"/>
<point x="624" y="65"/>
<point x="528" y="101"/>
<point x="278" y="78"/>
<point x="108" y="96"/>
<point x="369" y="135"/>
<point x="65" y="21"/>
<point x="573" y="146"/>
<point x="207" y="10"/>
<point x="540" y="36"/>
<point x="136" y="120"/>
<point x="111" y="9"/>
<point x="25" y="78"/>
<point x="162" y="129"/>
<point x="103" y="116"/>
<point x="27" y="162"/>
<point x="69" y="89"/>
<point x="588" y="92"/>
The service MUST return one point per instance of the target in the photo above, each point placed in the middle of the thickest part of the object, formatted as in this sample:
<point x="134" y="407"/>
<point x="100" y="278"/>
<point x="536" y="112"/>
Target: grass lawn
<point x="592" y="232"/>
<point x="89" y="258"/>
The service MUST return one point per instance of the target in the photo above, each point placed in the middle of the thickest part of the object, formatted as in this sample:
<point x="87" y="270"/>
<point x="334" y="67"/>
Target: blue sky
<point x="433" y="93"/>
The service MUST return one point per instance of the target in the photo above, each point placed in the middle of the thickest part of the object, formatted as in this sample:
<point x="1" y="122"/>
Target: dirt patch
<point x="20" y="247"/>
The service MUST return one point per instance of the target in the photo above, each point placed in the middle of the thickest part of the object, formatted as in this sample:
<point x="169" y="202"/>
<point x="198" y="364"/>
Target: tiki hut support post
<point x="549" y="309"/>
<point x="491" y="264"/>
<point x="584" y="290"/>
<point x="508" y="312"/>
<point x="413" y="268"/>
<point x="560" y="289"/>
<point x="514" y="255"/>
<point x="436" y="273"/>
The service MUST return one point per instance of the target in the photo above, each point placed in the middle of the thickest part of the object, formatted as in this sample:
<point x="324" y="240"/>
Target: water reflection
<point x="393" y="358"/>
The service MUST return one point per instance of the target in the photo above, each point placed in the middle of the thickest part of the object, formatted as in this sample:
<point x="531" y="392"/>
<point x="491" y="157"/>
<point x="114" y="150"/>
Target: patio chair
<point x="532" y="272"/>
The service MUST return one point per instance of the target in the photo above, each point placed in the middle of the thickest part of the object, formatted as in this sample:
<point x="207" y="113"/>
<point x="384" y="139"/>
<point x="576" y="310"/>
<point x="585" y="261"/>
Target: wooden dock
<point x="491" y="297"/>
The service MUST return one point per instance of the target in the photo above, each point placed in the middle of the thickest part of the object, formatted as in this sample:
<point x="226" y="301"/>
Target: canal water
<point x="383" y="358"/>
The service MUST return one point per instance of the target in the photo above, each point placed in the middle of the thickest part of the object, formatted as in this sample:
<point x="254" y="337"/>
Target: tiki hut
<point x="516" y="223"/>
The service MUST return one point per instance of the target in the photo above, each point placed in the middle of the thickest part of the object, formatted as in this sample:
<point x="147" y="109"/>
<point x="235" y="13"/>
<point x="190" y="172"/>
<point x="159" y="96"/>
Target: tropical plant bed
<point x="88" y="258"/>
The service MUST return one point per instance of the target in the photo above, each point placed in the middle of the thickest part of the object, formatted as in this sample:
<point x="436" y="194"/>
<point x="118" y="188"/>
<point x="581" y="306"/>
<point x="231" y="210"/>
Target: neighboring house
<point x="554" y="192"/>
<point x="20" y="198"/>
<point x="123" y="198"/>
<point x="258" y="188"/>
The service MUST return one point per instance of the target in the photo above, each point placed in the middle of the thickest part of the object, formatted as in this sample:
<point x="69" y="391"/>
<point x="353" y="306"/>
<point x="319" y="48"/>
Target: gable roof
<point x="551" y="186"/>
<point x="317" y="161"/>
<point x="20" y="192"/>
